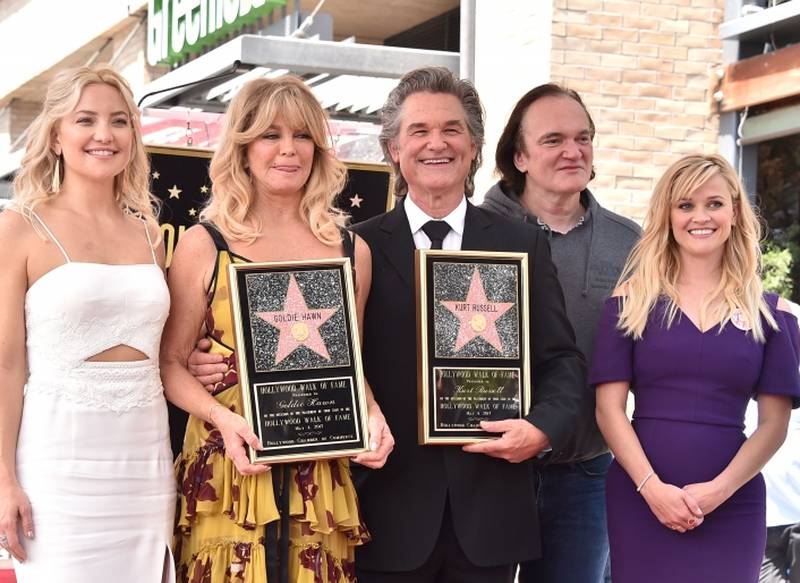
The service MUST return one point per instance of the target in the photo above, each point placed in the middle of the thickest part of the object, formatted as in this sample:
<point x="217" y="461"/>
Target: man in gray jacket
<point x="544" y="158"/>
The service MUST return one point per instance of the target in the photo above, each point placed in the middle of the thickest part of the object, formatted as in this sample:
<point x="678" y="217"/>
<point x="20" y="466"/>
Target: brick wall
<point x="643" y="68"/>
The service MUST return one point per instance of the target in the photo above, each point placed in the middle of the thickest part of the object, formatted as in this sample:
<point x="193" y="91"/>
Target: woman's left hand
<point x="709" y="495"/>
<point x="381" y="441"/>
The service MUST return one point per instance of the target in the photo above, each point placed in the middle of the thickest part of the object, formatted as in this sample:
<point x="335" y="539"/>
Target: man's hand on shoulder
<point x="520" y="440"/>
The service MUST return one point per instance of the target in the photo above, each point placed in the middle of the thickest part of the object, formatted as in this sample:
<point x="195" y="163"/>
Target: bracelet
<point x="210" y="411"/>
<point x="641" y="485"/>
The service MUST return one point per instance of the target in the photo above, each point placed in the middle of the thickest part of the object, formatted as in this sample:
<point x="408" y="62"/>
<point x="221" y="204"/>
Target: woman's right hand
<point x="673" y="507"/>
<point x="15" y="508"/>
<point x="235" y="433"/>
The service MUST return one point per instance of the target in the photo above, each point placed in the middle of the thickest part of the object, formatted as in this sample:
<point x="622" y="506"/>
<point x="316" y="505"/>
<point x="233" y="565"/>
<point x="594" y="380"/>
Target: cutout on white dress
<point x="119" y="353"/>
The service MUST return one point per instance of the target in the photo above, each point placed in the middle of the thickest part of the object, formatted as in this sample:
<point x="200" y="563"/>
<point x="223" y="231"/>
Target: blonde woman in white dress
<point x="86" y="486"/>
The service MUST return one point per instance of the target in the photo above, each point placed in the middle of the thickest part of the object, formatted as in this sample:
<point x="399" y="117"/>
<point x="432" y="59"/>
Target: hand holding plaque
<point x="472" y="316"/>
<point x="299" y="362"/>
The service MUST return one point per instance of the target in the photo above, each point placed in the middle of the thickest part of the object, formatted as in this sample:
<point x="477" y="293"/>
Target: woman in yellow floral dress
<point x="274" y="181"/>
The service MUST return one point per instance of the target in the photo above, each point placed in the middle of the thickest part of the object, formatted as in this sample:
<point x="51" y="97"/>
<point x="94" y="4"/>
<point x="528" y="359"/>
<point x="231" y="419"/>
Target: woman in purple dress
<point x="692" y="333"/>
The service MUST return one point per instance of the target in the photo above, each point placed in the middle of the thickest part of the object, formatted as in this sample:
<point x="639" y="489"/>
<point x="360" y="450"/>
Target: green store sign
<point x="176" y="28"/>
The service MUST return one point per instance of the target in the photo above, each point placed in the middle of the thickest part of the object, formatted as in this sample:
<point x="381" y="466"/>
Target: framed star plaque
<point x="299" y="359"/>
<point x="473" y="338"/>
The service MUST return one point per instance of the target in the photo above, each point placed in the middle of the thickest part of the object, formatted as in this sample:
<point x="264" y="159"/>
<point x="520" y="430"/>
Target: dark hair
<point x="511" y="140"/>
<point x="432" y="80"/>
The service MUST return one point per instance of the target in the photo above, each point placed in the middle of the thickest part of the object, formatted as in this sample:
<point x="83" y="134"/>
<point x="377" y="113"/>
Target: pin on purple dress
<point x="691" y="389"/>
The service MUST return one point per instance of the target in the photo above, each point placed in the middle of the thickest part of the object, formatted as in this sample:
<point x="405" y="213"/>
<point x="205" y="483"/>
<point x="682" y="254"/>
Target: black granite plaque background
<point x="320" y="289"/>
<point x="466" y="396"/>
<point x="306" y="413"/>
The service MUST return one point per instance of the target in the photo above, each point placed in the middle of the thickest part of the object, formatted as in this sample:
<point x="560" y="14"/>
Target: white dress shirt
<point x="417" y="217"/>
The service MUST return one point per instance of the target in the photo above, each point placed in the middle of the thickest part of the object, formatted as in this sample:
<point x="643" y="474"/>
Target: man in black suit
<point x="447" y="513"/>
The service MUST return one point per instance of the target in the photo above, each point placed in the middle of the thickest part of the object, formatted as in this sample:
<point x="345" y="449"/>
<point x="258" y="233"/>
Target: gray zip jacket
<point x="589" y="259"/>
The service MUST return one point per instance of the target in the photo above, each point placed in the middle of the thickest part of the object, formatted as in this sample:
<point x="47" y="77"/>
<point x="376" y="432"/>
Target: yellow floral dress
<point x="228" y="525"/>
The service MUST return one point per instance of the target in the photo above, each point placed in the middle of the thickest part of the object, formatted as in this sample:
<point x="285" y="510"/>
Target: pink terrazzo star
<point x="477" y="315"/>
<point x="297" y="324"/>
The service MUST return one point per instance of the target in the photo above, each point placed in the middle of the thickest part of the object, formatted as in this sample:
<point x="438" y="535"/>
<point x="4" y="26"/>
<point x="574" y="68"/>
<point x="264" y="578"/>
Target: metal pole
<point x="467" y="40"/>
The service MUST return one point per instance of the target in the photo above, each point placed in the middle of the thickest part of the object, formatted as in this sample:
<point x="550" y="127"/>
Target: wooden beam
<point x="761" y="79"/>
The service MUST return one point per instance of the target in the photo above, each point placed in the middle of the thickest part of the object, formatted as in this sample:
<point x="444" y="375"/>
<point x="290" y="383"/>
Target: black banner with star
<point x="179" y="179"/>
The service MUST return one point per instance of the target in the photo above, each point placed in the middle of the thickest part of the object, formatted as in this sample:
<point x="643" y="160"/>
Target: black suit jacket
<point x="492" y="501"/>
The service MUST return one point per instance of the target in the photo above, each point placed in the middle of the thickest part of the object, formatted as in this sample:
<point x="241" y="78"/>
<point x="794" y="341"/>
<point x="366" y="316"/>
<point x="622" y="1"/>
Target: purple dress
<point x="691" y="390"/>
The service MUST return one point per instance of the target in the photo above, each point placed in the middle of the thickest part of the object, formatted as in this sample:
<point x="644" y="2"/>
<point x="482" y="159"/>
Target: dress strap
<point x="51" y="236"/>
<point x="349" y="248"/>
<point x="349" y="245"/>
<point x="222" y="247"/>
<point x="150" y="242"/>
<point x="219" y="241"/>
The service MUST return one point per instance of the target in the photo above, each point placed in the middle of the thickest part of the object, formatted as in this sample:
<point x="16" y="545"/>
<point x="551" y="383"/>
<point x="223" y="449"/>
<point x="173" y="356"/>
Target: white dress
<point x="93" y="451"/>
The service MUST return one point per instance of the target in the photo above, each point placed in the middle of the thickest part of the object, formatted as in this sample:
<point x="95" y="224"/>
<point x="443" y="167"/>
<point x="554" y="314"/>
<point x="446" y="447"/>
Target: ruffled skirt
<point x="223" y="516"/>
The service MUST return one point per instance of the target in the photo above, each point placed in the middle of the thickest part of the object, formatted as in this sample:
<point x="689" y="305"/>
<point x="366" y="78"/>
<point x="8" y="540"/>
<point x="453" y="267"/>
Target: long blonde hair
<point x="34" y="181"/>
<point x="251" y="112"/>
<point x="654" y="267"/>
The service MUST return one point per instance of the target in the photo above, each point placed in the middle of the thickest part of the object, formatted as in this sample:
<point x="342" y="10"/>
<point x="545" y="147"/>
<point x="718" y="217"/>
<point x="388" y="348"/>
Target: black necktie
<point x="436" y="231"/>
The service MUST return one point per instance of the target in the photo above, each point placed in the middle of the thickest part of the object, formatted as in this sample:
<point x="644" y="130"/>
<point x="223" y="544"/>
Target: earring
<point x="56" y="185"/>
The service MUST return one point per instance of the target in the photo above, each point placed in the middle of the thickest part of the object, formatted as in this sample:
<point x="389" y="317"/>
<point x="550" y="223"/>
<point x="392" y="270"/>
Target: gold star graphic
<point x="356" y="201"/>
<point x="192" y="212"/>
<point x="174" y="192"/>
<point x="204" y="189"/>
<point x="156" y="175"/>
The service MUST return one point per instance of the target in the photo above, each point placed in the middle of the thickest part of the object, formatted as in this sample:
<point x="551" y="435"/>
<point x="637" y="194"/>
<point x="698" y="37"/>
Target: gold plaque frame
<point x="430" y="432"/>
<point x="349" y="372"/>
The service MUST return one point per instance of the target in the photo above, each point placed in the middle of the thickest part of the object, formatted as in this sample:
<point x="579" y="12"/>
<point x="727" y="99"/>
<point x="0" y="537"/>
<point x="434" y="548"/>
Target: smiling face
<point x="557" y="152"/>
<point x="96" y="138"/>
<point x="433" y="148"/>
<point x="701" y="223"/>
<point x="280" y="161"/>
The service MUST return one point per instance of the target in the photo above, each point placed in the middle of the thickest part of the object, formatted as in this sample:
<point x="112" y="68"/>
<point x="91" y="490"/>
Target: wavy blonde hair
<point x="654" y="267"/>
<point x="34" y="181"/>
<point x="251" y="112"/>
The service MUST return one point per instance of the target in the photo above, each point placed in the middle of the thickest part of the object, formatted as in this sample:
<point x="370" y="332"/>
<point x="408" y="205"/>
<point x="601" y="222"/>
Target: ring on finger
<point x="3" y="540"/>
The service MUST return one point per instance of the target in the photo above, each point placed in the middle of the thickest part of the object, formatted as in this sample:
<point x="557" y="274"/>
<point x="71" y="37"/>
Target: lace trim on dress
<point x="91" y="335"/>
<point x="112" y="386"/>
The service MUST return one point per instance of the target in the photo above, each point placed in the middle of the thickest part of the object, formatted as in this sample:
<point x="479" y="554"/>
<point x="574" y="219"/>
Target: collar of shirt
<point x="417" y="217"/>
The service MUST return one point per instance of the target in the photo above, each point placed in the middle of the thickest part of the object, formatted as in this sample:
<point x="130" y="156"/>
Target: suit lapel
<point x="477" y="232"/>
<point x="398" y="244"/>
